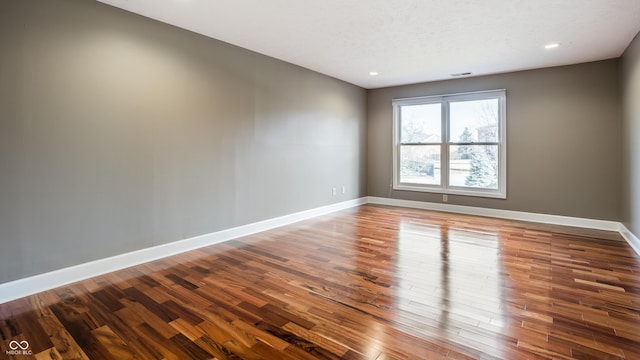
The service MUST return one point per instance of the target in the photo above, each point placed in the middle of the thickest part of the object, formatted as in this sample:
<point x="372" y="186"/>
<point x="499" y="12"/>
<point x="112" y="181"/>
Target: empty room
<point x="419" y="179"/>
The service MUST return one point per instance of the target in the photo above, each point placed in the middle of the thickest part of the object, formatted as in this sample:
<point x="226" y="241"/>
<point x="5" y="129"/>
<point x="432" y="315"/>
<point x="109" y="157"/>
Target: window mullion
<point x="472" y="143"/>
<point x="444" y="146"/>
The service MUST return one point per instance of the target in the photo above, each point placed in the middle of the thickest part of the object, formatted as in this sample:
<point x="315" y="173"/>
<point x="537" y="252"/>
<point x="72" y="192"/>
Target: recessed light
<point x="373" y="73"/>
<point x="551" y="46"/>
<point x="461" y="74"/>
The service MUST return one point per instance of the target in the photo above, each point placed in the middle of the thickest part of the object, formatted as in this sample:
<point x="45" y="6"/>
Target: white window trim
<point x="444" y="188"/>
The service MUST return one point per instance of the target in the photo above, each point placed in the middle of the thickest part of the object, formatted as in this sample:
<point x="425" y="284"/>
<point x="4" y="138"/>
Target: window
<point x="453" y="144"/>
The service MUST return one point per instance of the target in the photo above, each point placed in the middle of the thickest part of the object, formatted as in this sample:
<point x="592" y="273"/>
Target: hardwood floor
<point x="372" y="282"/>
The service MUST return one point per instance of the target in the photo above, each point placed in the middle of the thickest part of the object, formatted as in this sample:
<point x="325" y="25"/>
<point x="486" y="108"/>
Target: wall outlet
<point x="445" y="198"/>
<point x="344" y="189"/>
<point x="333" y="191"/>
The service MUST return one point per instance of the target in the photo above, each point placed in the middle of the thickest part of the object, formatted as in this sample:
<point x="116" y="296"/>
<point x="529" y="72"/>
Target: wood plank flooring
<point x="372" y="282"/>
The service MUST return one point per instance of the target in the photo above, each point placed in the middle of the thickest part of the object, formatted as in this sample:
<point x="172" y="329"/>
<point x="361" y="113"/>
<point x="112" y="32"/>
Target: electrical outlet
<point x="333" y="191"/>
<point x="344" y="189"/>
<point x="445" y="198"/>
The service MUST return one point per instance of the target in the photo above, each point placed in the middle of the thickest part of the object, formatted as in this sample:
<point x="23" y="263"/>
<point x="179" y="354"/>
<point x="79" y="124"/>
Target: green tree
<point x="477" y="171"/>
<point x="465" y="150"/>
<point x="482" y="171"/>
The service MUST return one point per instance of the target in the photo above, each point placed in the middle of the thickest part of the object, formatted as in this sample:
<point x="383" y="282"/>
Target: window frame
<point x="445" y="144"/>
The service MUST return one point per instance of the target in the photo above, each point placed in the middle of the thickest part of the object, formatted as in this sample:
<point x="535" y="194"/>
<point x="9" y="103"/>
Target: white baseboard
<point x="630" y="238"/>
<point x="503" y="214"/>
<point x="42" y="282"/>
<point x="38" y="283"/>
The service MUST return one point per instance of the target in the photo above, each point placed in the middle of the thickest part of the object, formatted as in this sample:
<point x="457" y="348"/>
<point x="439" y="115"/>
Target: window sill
<point x="495" y="194"/>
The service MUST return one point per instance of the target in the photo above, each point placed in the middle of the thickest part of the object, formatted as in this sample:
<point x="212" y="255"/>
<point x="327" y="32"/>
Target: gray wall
<point x="630" y="80"/>
<point x="119" y="133"/>
<point x="563" y="140"/>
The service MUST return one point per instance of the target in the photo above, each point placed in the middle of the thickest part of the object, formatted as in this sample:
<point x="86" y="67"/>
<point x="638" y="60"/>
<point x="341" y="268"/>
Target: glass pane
<point x="420" y="164"/>
<point x="474" y="121"/>
<point x="420" y="123"/>
<point x="474" y="166"/>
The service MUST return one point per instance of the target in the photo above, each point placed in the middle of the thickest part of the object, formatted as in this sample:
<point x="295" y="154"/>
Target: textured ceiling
<point x="409" y="41"/>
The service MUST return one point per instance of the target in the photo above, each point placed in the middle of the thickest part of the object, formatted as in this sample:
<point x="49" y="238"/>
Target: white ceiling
<point x="408" y="41"/>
